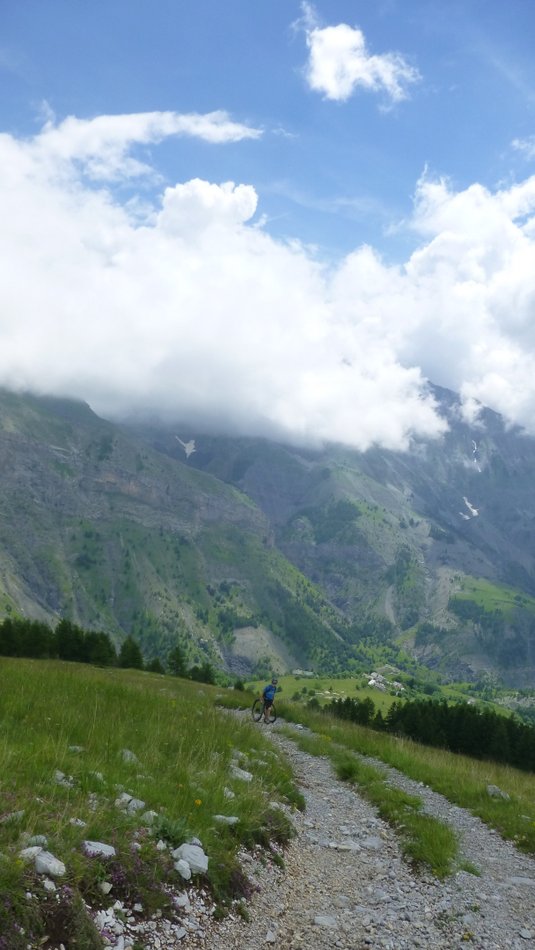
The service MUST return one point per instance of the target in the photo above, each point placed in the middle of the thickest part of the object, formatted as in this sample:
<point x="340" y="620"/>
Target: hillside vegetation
<point x="255" y="556"/>
<point x="75" y="741"/>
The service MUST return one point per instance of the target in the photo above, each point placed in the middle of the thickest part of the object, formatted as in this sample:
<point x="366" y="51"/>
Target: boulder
<point x="496" y="792"/>
<point x="240" y="774"/>
<point x="194" y="856"/>
<point x="98" y="849"/>
<point x="46" y="863"/>
<point x="183" y="869"/>
<point x="29" y="854"/>
<point x="123" y="800"/>
<point x="134" y="805"/>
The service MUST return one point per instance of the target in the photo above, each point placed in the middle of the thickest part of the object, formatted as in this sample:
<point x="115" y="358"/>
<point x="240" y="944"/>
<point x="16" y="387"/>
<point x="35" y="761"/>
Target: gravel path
<point x="346" y="885"/>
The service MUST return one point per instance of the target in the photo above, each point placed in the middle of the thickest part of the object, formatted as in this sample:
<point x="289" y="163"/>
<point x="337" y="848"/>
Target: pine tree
<point x="176" y="661"/>
<point x="130" y="656"/>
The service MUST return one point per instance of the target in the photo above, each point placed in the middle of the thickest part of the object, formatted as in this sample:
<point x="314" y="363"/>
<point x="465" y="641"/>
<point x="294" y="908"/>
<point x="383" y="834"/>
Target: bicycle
<point x="258" y="708"/>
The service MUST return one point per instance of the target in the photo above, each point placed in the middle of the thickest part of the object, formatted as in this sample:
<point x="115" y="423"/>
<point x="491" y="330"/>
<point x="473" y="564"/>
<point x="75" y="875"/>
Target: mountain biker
<point x="268" y="695"/>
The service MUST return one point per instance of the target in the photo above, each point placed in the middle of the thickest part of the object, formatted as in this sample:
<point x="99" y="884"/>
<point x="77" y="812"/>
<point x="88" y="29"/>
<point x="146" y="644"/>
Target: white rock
<point x="161" y="846"/>
<point x="66" y="781"/>
<point x="48" y="884"/>
<point x="77" y="822"/>
<point x="182" y="900"/>
<point x="29" y="854"/>
<point x="183" y="869"/>
<point x="134" y="805"/>
<point x="46" y="863"/>
<point x="128" y="756"/>
<point x="123" y="800"/>
<point x="240" y="774"/>
<point x="105" y="887"/>
<point x="40" y="840"/>
<point x="226" y="819"/>
<point x="149" y="817"/>
<point x="496" y="792"/>
<point x="228" y="793"/>
<point x="98" y="849"/>
<point x="271" y="937"/>
<point x="195" y="857"/>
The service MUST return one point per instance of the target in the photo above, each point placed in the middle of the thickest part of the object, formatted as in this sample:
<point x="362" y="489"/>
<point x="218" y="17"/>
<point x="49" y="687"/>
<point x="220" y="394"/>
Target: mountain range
<point x="259" y="556"/>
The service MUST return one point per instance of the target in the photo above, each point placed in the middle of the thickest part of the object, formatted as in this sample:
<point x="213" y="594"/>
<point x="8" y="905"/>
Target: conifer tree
<point x="130" y="656"/>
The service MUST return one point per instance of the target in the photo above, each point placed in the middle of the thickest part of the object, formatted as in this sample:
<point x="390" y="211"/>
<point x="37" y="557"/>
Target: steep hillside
<point x="398" y="535"/>
<point x="98" y="527"/>
<point x="259" y="555"/>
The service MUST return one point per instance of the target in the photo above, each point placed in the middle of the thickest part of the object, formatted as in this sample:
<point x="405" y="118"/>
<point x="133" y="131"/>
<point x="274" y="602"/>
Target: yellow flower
<point x="198" y="802"/>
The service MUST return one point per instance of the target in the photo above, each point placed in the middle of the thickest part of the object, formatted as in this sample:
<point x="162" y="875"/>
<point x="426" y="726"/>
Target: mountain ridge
<point x="174" y="535"/>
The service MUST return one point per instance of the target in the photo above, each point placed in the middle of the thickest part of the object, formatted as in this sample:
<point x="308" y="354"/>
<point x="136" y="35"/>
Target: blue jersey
<point x="269" y="692"/>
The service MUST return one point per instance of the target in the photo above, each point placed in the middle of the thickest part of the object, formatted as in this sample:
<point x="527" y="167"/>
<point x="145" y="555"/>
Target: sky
<point x="277" y="218"/>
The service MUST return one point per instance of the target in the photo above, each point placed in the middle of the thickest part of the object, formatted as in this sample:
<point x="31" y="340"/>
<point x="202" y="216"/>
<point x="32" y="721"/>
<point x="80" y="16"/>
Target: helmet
<point x="274" y="681"/>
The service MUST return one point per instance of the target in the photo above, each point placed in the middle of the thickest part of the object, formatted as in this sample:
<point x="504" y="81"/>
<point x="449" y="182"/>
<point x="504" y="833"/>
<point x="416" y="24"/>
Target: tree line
<point x="461" y="728"/>
<point x="35" y="639"/>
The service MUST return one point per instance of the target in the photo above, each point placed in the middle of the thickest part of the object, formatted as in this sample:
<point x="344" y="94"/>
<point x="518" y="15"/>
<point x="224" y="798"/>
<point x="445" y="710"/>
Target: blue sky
<point x="368" y="144"/>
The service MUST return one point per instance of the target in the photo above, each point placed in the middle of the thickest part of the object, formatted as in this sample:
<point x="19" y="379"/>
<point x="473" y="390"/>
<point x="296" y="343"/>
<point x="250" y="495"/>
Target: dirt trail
<point x="346" y="885"/>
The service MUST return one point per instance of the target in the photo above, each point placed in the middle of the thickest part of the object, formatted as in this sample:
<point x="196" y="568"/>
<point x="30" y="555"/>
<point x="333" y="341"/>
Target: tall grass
<point x="80" y="720"/>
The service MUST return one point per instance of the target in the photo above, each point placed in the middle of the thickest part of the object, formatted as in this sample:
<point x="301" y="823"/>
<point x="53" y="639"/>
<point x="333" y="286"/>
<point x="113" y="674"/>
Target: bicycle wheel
<point x="258" y="710"/>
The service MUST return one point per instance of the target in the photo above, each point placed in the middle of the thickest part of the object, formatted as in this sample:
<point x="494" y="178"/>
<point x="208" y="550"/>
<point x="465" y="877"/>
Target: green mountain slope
<point x="98" y="527"/>
<point x="399" y="535"/>
<point x="255" y="554"/>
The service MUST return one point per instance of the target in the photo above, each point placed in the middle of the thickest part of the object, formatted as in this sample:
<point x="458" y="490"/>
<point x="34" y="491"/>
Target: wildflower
<point x="197" y="802"/>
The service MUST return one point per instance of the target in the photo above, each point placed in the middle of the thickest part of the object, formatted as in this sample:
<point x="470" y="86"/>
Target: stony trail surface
<point x="347" y="886"/>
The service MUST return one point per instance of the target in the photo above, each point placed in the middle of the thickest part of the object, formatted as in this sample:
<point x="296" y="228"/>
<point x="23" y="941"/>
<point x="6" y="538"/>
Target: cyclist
<point x="268" y="695"/>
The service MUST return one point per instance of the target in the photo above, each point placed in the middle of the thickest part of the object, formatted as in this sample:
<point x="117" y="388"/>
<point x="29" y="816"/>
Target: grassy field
<point x="325" y="689"/>
<point x="78" y="720"/>
<point x="88" y="724"/>
<point x="493" y="596"/>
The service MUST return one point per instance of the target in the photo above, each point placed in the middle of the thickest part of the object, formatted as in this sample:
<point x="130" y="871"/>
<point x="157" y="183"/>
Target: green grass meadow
<point x="79" y="720"/>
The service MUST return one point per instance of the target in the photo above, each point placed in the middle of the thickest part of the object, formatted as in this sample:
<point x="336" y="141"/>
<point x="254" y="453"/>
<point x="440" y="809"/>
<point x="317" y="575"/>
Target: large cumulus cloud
<point x="192" y="310"/>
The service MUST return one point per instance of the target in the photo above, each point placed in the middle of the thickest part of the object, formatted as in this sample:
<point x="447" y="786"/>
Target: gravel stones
<point x="367" y="896"/>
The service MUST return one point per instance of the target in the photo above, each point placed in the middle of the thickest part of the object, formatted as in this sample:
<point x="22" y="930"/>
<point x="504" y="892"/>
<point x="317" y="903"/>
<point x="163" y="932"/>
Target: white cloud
<point x="101" y="144"/>
<point x="525" y="146"/>
<point x="190" y="309"/>
<point x="339" y="63"/>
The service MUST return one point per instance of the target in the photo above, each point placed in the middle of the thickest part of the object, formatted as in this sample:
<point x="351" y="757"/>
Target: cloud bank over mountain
<point x="186" y="306"/>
